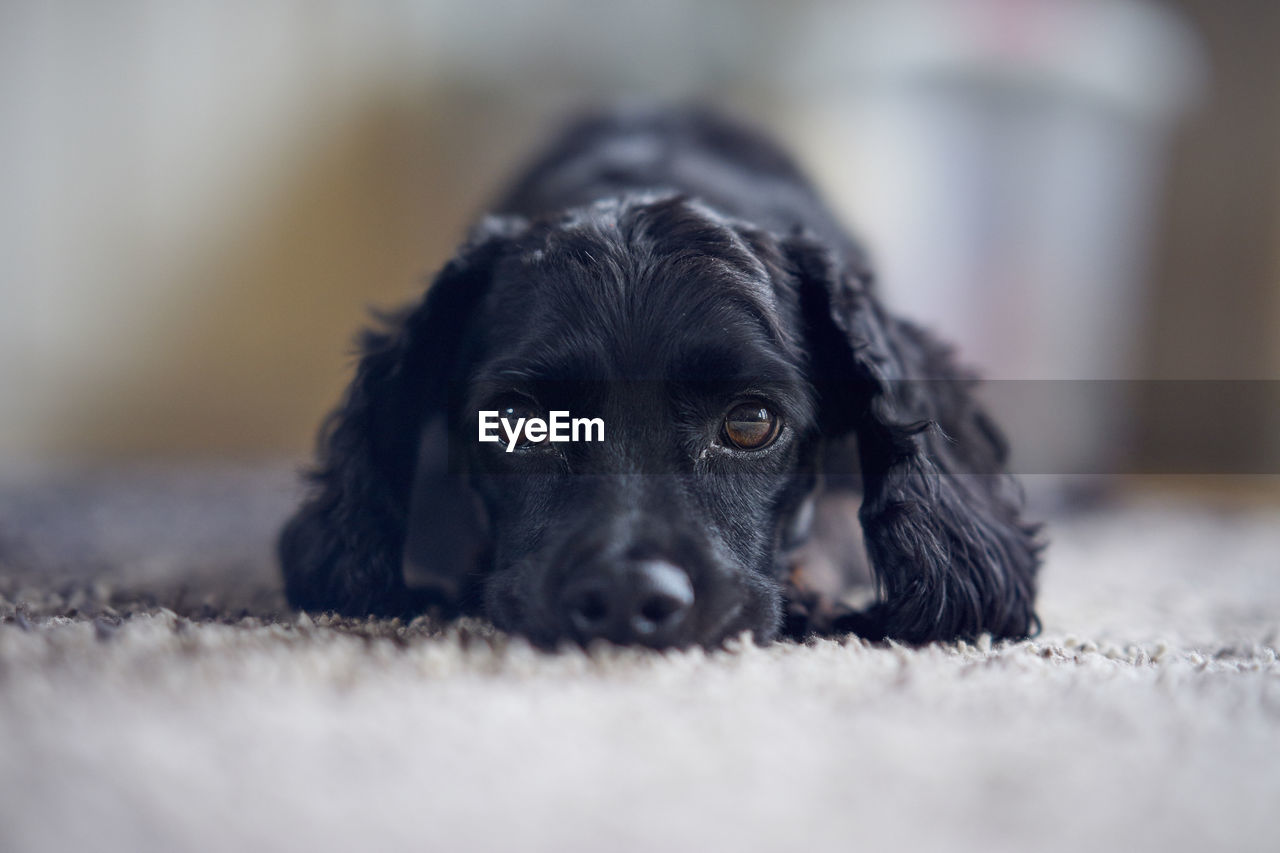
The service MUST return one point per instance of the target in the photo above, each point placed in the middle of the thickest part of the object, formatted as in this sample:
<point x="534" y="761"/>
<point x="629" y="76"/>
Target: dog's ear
<point x="941" y="518"/>
<point x="343" y="550"/>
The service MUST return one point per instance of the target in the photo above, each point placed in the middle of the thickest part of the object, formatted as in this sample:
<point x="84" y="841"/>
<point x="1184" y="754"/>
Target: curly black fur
<point x="654" y="268"/>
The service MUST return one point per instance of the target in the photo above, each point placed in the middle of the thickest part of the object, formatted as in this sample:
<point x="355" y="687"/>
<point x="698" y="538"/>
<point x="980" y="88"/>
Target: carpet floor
<point x="155" y="694"/>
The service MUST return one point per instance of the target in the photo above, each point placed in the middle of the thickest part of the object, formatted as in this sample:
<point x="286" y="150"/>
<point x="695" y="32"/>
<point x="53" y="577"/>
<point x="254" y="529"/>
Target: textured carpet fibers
<point x="156" y="695"/>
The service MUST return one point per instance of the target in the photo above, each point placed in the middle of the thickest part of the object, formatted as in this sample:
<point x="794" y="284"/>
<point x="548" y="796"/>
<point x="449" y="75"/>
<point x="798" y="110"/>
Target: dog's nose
<point x="643" y="602"/>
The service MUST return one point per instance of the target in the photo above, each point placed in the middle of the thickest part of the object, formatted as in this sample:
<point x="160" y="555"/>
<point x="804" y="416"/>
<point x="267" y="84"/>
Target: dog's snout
<point x="644" y="602"/>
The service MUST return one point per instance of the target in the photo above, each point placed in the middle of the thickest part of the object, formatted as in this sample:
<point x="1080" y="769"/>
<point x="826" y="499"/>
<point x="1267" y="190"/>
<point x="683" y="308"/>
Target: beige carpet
<point x="149" y="700"/>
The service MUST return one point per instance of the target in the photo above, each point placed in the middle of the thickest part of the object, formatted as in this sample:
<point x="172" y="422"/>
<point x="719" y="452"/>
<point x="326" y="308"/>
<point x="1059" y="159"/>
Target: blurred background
<point x="201" y="200"/>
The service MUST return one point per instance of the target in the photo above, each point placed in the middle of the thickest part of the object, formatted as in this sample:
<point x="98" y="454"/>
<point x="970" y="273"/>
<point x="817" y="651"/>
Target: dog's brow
<point x="523" y="369"/>
<point x="514" y="373"/>
<point x="759" y="300"/>
<point x="733" y="361"/>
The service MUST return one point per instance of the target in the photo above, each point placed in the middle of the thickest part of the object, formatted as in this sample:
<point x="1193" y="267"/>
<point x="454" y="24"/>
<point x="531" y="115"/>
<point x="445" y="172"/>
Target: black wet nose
<point x="643" y="602"/>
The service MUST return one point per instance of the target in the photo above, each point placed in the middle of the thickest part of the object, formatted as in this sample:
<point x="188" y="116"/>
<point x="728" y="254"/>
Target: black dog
<point x="675" y="276"/>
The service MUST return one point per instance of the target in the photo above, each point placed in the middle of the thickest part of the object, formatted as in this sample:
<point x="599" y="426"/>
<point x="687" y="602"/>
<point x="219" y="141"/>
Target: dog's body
<point x="674" y="275"/>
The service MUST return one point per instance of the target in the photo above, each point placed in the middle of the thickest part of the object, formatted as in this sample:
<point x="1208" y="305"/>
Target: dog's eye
<point x="751" y="426"/>
<point x="513" y="409"/>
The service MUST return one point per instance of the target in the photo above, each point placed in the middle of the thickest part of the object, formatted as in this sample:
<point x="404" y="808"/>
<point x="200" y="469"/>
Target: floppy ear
<point x="941" y="518"/>
<point x="344" y="548"/>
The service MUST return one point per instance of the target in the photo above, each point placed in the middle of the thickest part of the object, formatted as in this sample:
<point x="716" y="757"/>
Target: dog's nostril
<point x="592" y="607"/>
<point x="664" y="595"/>
<point x="588" y="606"/>
<point x="658" y="609"/>
<point x="656" y="613"/>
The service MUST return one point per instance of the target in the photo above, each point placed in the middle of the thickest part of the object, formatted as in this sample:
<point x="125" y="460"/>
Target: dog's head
<point x="662" y="321"/>
<point x="720" y="361"/>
